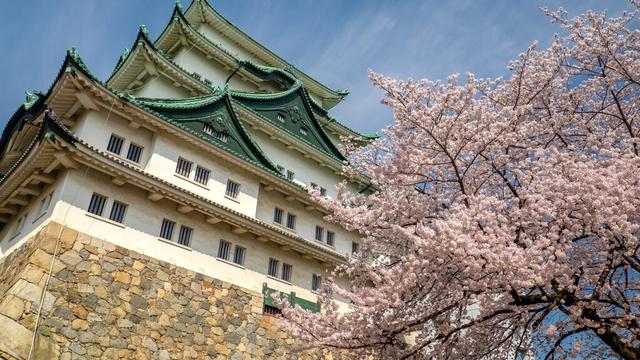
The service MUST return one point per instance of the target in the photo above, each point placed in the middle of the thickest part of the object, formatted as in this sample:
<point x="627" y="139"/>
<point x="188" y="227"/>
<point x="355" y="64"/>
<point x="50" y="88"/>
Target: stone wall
<point x="107" y="302"/>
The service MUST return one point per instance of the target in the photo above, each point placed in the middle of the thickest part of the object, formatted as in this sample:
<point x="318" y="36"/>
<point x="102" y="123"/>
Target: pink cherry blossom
<point x="506" y="214"/>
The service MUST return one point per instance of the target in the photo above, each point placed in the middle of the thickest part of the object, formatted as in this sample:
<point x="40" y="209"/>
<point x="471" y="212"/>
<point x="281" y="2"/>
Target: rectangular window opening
<point x="238" y="256"/>
<point x="118" y="209"/>
<point x="233" y="189"/>
<point x="319" y="232"/>
<point x="134" y="153"/>
<point x="96" y="205"/>
<point x="115" y="144"/>
<point x="277" y="216"/>
<point x="202" y="175"/>
<point x="224" y="249"/>
<point x="184" y="237"/>
<point x="286" y="272"/>
<point x="273" y="268"/>
<point x="183" y="167"/>
<point x="331" y="238"/>
<point x="291" y="221"/>
<point x="316" y="281"/>
<point x="166" y="230"/>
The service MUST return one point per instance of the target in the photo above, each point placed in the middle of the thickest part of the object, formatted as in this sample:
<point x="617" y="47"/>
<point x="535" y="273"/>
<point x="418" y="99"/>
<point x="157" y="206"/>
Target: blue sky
<point x="335" y="41"/>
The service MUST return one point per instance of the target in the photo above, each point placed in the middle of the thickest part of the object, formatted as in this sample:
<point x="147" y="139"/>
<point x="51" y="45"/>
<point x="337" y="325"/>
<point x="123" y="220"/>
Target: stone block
<point x="12" y="307"/>
<point x="43" y="260"/>
<point x="15" y="341"/>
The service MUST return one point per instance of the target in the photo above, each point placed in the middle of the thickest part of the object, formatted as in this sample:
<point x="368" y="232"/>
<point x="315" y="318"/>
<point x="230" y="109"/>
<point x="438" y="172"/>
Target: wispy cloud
<point x="335" y="41"/>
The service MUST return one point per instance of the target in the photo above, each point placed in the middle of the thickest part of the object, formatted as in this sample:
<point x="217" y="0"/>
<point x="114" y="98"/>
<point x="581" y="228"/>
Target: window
<point x="118" y="210"/>
<point x="277" y="216"/>
<point x="316" y="281"/>
<point x="134" y="152"/>
<point x="290" y="175"/>
<point x="233" y="189"/>
<point x="355" y="247"/>
<point x="224" y="249"/>
<point x="238" y="256"/>
<point x="184" y="167"/>
<point x="280" y="168"/>
<point x="286" y="272"/>
<point x="273" y="267"/>
<point x="280" y="117"/>
<point x="222" y="136"/>
<point x="202" y="175"/>
<point x="166" y="230"/>
<point x="96" y="205"/>
<point x="331" y="238"/>
<point x="271" y="310"/>
<point x="20" y="224"/>
<point x="291" y="221"/>
<point x="44" y="203"/>
<point x="323" y="191"/>
<point x="319" y="232"/>
<point x="115" y="144"/>
<point x="208" y="129"/>
<point x="184" y="237"/>
<point x="196" y="75"/>
<point x="304" y="131"/>
<point x="208" y="82"/>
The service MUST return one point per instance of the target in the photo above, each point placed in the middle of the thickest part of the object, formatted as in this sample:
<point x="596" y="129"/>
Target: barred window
<point x="134" y="153"/>
<point x="233" y="189"/>
<point x="304" y="131"/>
<point x="196" y="75"/>
<point x="184" y="237"/>
<point x="323" y="191"/>
<point x="183" y="167"/>
<point x="222" y="136"/>
<point x="316" y="281"/>
<point x="277" y="216"/>
<point x="280" y="117"/>
<point x="118" y="209"/>
<point x="290" y="175"/>
<point x="20" y="224"/>
<point x="291" y="221"/>
<point x="273" y="267"/>
<point x="202" y="175"/>
<point x="355" y="247"/>
<point x="96" y="205"/>
<point x="208" y="82"/>
<point x="238" y="256"/>
<point x="286" y="272"/>
<point x="166" y="230"/>
<point x="115" y="144"/>
<point x="331" y="238"/>
<point x="224" y="249"/>
<point x="313" y="185"/>
<point x="44" y="203"/>
<point x="319" y="232"/>
<point x="280" y="168"/>
<point x="208" y="129"/>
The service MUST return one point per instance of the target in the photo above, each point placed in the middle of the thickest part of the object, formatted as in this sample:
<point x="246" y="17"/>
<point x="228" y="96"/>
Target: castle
<point x="146" y="216"/>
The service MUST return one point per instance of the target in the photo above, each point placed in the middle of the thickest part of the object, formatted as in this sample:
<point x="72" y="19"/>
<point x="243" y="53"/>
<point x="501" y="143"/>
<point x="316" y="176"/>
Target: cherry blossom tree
<point x="506" y="217"/>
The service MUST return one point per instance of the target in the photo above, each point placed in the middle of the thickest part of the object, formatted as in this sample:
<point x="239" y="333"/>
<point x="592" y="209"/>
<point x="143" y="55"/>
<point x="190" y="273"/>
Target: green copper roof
<point x="341" y="93"/>
<point x="210" y="118"/>
<point x="291" y="112"/>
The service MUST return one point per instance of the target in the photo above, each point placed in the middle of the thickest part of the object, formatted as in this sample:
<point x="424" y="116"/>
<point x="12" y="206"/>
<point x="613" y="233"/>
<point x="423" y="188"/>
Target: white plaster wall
<point x="161" y="87"/>
<point x="193" y="60"/>
<point x="96" y="128"/>
<point x="166" y="151"/>
<point x="9" y="240"/>
<point x="226" y="43"/>
<point x="142" y="225"/>
<point x="306" y="220"/>
<point x="306" y="170"/>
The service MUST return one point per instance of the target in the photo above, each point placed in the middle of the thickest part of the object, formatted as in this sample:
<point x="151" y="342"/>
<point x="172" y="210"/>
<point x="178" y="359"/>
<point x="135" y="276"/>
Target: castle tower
<point x="147" y="215"/>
